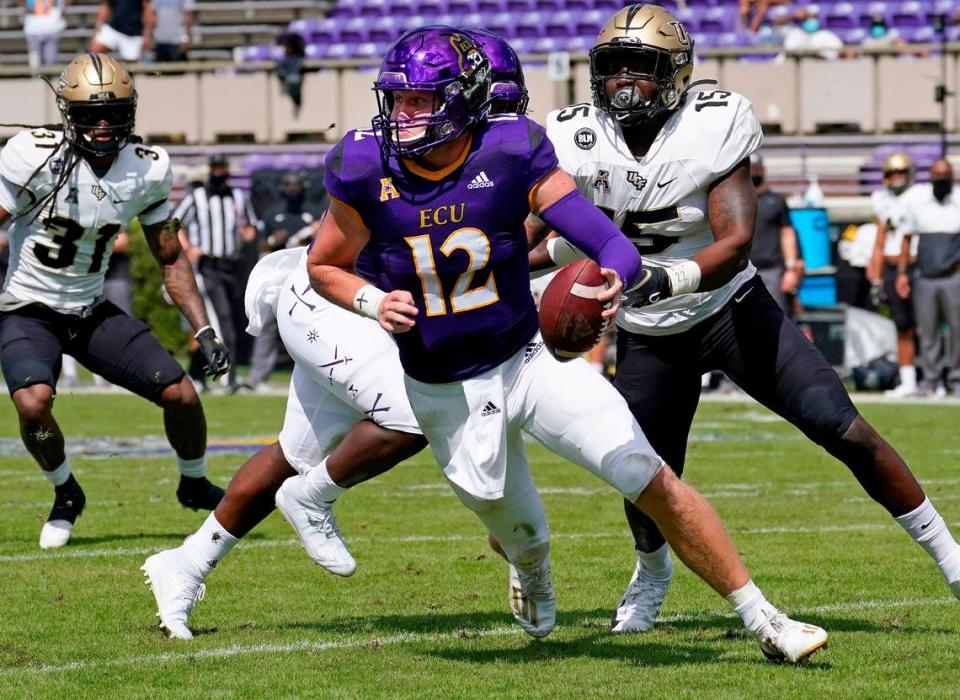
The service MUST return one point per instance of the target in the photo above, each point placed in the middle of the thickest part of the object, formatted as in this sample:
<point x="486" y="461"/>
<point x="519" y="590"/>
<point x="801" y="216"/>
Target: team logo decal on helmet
<point x="508" y="90"/>
<point x="641" y="43"/>
<point x="448" y="64"/>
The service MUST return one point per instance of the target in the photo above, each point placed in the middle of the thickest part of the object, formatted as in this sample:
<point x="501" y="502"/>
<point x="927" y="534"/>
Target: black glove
<point x="215" y="352"/>
<point x="653" y="286"/>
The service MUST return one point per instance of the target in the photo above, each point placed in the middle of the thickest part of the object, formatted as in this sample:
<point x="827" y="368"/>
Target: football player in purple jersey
<point x="439" y="192"/>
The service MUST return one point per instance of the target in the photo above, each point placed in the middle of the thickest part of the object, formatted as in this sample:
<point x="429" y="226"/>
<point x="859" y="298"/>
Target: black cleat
<point x="68" y="504"/>
<point x="199" y="493"/>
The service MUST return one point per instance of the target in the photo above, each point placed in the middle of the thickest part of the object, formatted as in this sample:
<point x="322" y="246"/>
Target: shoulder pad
<point x="22" y="155"/>
<point x="717" y="128"/>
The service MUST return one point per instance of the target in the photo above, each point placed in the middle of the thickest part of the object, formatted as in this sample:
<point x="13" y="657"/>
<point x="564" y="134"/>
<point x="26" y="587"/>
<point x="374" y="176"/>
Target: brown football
<point x="570" y="320"/>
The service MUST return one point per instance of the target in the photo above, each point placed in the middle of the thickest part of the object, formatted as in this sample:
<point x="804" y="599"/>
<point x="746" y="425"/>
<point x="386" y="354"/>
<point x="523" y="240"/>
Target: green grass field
<point x="426" y="614"/>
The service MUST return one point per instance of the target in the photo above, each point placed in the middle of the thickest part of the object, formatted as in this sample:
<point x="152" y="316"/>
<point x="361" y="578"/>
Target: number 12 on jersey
<point x="465" y="296"/>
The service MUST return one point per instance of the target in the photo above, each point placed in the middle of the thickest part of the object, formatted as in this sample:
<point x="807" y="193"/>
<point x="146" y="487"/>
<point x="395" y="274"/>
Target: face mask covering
<point x="294" y="200"/>
<point x="757" y="180"/>
<point x="811" y="24"/>
<point x="941" y="189"/>
<point x="218" y="182"/>
<point x="878" y="30"/>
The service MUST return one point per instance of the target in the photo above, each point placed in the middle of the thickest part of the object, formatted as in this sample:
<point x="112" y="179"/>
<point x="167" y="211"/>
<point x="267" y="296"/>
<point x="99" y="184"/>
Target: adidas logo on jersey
<point x="480" y="181"/>
<point x="489" y="410"/>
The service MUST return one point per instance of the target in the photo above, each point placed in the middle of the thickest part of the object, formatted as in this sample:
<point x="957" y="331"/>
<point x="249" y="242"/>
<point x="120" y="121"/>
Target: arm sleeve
<point x="590" y="230"/>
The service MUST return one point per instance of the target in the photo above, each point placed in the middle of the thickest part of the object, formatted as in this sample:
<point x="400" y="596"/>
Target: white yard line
<point x="78" y="553"/>
<point x="418" y="637"/>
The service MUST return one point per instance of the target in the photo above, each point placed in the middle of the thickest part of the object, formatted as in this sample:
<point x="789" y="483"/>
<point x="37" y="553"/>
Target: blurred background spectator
<point x="287" y="224"/>
<point x="217" y="219"/>
<point x="898" y="172"/>
<point x="171" y="34"/>
<point x="42" y="24"/>
<point x="124" y="27"/>
<point x="803" y="31"/>
<point x="290" y="68"/>
<point x="931" y="212"/>
<point x="775" y="251"/>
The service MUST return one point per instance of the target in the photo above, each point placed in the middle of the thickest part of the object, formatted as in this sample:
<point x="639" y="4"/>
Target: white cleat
<point x="175" y="590"/>
<point x="641" y="602"/>
<point x="903" y="391"/>
<point x="532" y="600"/>
<point x="790" y="641"/>
<point x="316" y="526"/>
<point x="55" y="533"/>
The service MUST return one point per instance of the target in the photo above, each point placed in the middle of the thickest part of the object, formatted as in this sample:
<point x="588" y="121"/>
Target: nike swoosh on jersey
<point x="664" y="184"/>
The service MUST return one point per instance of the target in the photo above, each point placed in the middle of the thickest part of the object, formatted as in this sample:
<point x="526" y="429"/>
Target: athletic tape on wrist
<point x="684" y="278"/>
<point x="367" y="301"/>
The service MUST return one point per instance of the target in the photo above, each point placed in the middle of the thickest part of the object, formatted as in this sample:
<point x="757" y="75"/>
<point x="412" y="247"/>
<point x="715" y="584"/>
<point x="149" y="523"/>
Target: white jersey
<point x="60" y="260"/>
<point x="888" y="208"/>
<point x="660" y="200"/>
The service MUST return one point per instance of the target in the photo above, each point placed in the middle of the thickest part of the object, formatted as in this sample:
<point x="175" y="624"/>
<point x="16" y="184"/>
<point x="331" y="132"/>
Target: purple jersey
<point x="454" y="239"/>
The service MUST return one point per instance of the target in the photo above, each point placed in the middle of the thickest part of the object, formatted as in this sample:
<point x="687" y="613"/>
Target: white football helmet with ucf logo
<point x="644" y="42"/>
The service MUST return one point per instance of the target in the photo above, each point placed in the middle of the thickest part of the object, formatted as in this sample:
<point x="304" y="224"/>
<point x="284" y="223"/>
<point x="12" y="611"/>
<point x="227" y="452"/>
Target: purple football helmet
<point x="437" y="59"/>
<point x="508" y="92"/>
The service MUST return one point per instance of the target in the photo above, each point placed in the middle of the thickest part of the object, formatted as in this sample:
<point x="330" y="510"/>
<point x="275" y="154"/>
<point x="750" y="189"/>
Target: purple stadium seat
<point x="519" y="6"/>
<point x="853" y="37"/>
<point x="501" y="23"/>
<point x="474" y="19"/>
<point x="430" y="8"/>
<point x="942" y="7"/>
<point x="521" y="45"/>
<point x="609" y="6"/>
<point x="546" y="45"/>
<point x="843" y="15"/>
<point x="355" y="30"/>
<point x="953" y="32"/>
<point x="580" y="44"/>
<point x="317" y="51"/>
<point x="460" y="7"/>
<point x="560" y="24"/>
<point x="403" y="8"/>
<point x="384" y="29"/>
<point x="337" y="51"/>
<point x="490" y="6"/>
<point x="872" y="9"/>
<point x="260" y="52"/>
<point x="373" y="8"/>
<point x="530" y="24"/>
<point x="588" y="23"/>
<point x="920" y="35"/>
<point x="342" y="10"/>
<point x="551" y="5"/>
<point x="367" y="49"/>
<point x="732" y="40"/>
<point x="717" y="20"/>
<point x="701" y="3"/>
<point x="579" y="6"/>
<point x="909" y="14"/>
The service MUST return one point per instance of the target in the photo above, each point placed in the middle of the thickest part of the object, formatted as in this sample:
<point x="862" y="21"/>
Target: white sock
<point x="752" y="607"/>
<point x="908" y="376"/>
<point x="928" y="529"/>
<point x="320" y="487"/>
<point x="207" y="546"/>
<point x="656" y="561"/>
<point x="59" y="475"/>
<point x="193" y="468"/>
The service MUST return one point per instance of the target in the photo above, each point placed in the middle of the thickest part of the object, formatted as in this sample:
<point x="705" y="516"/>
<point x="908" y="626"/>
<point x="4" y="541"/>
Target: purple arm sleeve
<point x="575" y="218"/>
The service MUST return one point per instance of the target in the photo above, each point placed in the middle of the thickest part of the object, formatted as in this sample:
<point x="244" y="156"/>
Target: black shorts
<point x="119" y="348"/>
<point x="757" y="347"/>
<point x="901" y="309"/>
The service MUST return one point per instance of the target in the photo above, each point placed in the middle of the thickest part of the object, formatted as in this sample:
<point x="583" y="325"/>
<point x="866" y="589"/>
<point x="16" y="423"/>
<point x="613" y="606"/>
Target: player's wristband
<point x="562" y="252"/>
<point x="367" y="301"/>
<point x="203" y="332"/>
<point x="684" y="278"/>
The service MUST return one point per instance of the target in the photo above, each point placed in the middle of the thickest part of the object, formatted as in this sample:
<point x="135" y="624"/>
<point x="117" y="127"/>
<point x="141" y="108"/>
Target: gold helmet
<point x="898" y="171"/>
<point x="641" y="42"/>
<point x="98" y="103"/>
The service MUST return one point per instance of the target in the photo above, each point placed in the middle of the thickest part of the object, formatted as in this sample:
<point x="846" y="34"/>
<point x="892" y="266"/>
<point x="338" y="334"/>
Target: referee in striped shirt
<point x="216" y="220"/>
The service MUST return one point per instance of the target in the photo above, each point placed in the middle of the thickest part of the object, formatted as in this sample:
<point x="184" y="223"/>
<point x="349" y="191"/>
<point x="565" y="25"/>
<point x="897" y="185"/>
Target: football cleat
<point x="789" y="641"/>
<point x="316" y="526"/>
<point x="532" y="600"/>
<point x="198" y="493"/>
<point x="641" y="602"/>
<point x="68" y="504"/>
<point x="176" y="591"/>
